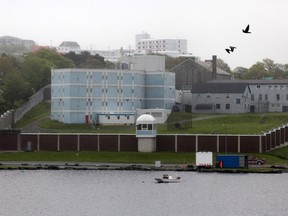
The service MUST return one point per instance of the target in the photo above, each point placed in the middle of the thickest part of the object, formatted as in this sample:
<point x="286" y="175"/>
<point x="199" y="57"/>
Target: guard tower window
<point x="149" y="126"/>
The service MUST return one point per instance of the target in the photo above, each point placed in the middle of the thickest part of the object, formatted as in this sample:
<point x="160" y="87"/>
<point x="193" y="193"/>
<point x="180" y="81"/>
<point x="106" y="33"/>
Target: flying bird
<point x="246" y="30"/>
<point x="231" y="49"/>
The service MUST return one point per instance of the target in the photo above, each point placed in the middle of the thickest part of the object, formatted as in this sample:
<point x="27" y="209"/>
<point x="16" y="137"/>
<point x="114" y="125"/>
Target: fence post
<point x="119" y="148"/>
<point x="260" y="144"/>
<point x="176" y="143"/>
<point x="239" y="144"/>
<point x="78" y="142"/>
<point x="196" y="143"/>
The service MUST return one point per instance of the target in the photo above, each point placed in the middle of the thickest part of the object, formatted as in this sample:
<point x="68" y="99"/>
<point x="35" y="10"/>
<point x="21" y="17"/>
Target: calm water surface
<point x="125" y="193"/>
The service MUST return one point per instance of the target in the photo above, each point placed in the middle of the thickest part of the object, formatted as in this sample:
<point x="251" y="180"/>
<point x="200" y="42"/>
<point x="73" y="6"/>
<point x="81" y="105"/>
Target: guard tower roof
<point x="145" y="119"/>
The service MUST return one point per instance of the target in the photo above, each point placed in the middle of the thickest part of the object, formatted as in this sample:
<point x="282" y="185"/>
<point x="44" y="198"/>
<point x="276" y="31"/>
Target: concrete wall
<point x="10" y="141"/>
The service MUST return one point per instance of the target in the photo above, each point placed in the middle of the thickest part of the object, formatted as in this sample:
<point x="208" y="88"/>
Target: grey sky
<point x="210" y="26"/>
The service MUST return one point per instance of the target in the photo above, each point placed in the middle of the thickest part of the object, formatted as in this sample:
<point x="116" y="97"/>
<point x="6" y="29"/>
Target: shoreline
<point x="134" y="167"/>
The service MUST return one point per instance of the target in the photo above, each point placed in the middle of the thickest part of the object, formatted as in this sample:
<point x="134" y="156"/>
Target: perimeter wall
<point x="13" y="140"/>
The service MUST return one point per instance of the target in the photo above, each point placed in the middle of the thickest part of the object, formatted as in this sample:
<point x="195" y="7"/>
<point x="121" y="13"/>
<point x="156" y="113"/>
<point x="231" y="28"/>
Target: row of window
<point x="146" y="127"/>
<point x="218" y="106"/>
<point x="118" y="117"/>
<point x="91" y="90"/>
<point x="150" y="42"/>
<point x="89" y="103"/>
<point x="273" y="87"/>
<point x="143" y="47"/>
<point x="260" y="97"/>
<point x="154" y="41"/>
<point x="119" y="77"/>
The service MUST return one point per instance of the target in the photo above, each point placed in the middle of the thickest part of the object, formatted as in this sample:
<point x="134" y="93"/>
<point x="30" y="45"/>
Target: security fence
<point x="12" y="116"/>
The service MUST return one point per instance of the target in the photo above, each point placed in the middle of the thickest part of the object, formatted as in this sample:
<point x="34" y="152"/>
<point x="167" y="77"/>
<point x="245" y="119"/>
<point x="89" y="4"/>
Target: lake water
<point x="125" y="193"/>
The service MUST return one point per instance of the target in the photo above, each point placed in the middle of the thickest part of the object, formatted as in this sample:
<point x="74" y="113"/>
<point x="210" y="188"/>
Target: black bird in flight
<point x="231" y="49"/>
<point x="246" y="30"/>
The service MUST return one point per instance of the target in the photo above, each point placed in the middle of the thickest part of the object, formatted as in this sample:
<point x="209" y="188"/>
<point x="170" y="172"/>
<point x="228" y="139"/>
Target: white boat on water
<point x="168" y="179"/>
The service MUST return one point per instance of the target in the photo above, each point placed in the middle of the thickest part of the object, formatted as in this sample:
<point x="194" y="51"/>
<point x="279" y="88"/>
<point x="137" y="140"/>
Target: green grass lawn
<point x="213" y="124"/>
<point x="111" y="157"/>
<point x="274" y="157"/>
<point x="40" y="111"/>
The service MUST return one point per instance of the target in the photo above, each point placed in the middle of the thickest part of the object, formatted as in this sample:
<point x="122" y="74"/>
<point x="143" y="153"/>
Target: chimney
<point x="214" y="67"/>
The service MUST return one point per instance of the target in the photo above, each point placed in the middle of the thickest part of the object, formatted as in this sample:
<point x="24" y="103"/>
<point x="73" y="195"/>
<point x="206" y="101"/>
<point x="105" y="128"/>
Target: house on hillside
<point x="195" y="71"/>
<point x="68" y="46"/>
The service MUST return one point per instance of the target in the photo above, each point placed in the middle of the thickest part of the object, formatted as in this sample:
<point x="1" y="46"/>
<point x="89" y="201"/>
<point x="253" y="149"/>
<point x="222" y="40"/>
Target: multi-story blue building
<point x="104" y="96"/>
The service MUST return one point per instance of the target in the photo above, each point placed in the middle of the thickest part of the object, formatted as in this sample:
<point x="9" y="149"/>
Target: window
<point x="238" y="101"/>
<point x="139" y="127"/>
<point x="218" y="106"/>
<point x="227" y="96"/>
<point x="266" y="97"/>
<point x="118" y="117"/>
<point x="149" y="126"/>
<point x="258" y="87"/>
<point x="277" y="97"/>
<point x="252" y="97"/>
<point x="227" y="106"/>
<point x="260" y="97"/>
<point x="286" y="96"/>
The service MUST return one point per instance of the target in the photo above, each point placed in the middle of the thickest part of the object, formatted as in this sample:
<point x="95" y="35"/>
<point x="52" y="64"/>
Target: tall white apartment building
<point x="144" y="44"/>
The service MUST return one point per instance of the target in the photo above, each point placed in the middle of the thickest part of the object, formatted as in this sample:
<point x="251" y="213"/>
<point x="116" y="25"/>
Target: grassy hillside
<point x="185" y="123"/>
<point x="42" y="110"/>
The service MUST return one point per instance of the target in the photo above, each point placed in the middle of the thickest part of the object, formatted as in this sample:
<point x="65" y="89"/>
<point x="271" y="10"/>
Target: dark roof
<point x="219" y="87"/>
<point x="282" y="81"/>
<point x="206" y="65"/>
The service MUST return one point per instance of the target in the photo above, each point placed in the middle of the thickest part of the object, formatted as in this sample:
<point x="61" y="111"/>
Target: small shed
<point x="146" y="131"/>
<point x="232" y="161"/>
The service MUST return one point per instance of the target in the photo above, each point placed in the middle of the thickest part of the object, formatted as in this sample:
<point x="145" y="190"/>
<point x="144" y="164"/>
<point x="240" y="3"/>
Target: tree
<point x="256" y="71"/>
<point x="223" y="65"/>
<point x="53" y="57"/>
<point x="16" y="90"/>
<point x="3" y="107"/>
<point x="36" y="68"/>
<point x="37" y="72"/>
<point x="86" y="60"/>
<point x="7" y="64"/>
<point x="240" y="72"/>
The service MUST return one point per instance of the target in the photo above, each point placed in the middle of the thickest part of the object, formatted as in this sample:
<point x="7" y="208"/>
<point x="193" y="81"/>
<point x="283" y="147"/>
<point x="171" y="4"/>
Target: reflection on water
<point x="119" y="193"/>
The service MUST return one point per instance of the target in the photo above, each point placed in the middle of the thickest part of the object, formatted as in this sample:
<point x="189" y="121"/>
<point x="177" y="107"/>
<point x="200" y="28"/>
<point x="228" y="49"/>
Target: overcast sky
<point x="210" y="26"/>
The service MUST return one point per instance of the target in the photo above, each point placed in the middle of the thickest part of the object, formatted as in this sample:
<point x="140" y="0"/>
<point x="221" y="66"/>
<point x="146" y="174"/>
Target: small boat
<point x="168" y="179"/>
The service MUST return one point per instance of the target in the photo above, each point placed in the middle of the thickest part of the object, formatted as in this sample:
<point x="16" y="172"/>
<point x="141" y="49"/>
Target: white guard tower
<point x="146" y="133"/>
